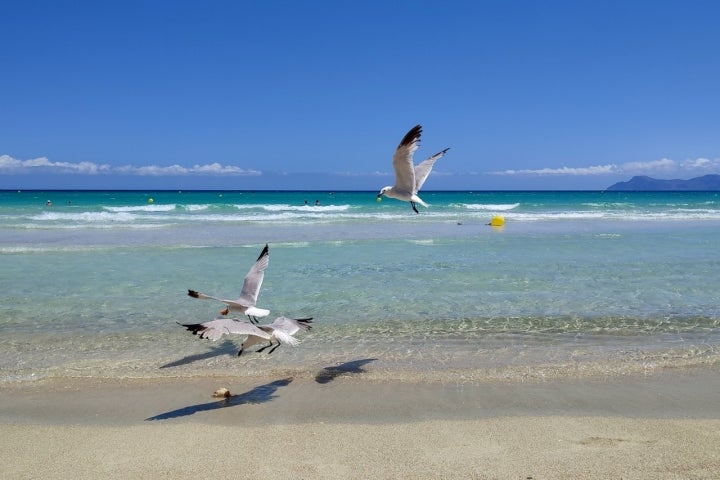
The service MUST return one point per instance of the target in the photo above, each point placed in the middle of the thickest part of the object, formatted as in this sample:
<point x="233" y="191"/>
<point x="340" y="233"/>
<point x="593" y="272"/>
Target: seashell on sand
<point x="222" y="392"/>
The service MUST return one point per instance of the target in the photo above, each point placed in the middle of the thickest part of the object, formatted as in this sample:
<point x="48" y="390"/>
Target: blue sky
<point x="317" y="95"/>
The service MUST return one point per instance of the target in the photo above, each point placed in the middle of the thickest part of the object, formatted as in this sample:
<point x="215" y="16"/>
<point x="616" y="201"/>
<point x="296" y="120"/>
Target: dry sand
<point x="665" y="426"/>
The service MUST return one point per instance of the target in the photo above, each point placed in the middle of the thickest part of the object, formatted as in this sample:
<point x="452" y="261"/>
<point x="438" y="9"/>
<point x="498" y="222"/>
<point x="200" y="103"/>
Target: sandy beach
<point x="340" y="426"/>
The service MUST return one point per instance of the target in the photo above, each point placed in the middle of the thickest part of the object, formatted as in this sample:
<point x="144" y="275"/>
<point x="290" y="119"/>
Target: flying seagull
<point x="409" y="179"/>
<point x="249" y="293"/>
<point x="281" y="331"/>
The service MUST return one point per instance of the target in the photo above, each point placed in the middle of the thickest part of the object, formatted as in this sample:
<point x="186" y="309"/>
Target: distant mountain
<point x="643" y="183"/>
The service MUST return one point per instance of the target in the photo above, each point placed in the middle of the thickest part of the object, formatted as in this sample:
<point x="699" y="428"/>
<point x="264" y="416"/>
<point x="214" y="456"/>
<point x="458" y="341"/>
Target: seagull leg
<point x="266" y="346"/>
<point x="414" y="207"/>
<point x="240" y="352"/>
<point x="253" y="319"/>
<point x="273" y="349"/>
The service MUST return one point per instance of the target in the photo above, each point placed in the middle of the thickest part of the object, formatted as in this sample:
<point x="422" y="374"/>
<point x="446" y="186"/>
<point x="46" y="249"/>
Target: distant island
<point x="643" y="183"/>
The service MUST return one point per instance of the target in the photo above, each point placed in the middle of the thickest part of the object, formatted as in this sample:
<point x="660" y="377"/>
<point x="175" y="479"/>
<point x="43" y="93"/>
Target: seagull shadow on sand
<point x="328" y="374"/>
<point x="260" y="394"/>
<point x="225" y="348"/>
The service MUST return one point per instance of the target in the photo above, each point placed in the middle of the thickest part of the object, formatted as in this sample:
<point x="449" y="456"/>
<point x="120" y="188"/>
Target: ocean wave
<point x="92" y="226"/>
<point x="87" y="217"/>
<point x="196" y="207"/>
<point x="111" y="219"/>
<point x="143" y="208"/>
<point x="428" y="241"/>
<point x="607" y="204"/>
<point x="488" y="207"/>
<point x="286" y="214"/>
<point x="21" y="249"/>
<point x="617" y="215"/>
<point x="306" y="208"/>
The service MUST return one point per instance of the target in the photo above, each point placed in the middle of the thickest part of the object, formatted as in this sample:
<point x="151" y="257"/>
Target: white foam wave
<point x="88" y="217"/>
<point x="168" y="215"/>
<point x="143" y="208"/>
<point x="45" y="249"/>
<point x="306" y="208"/>
<point x="428" y="241"/>
<point x="298" y="244"/>
<point x="196" y="207"/>
<point x="94" y="226"/>
<point x="607" y="204"/>
<point x="617" y="215"/>
<point x="490" y="207"/>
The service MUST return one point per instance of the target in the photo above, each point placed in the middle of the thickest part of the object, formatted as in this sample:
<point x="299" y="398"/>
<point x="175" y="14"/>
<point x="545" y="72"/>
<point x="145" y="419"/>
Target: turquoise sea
<point x="92" y="283"/>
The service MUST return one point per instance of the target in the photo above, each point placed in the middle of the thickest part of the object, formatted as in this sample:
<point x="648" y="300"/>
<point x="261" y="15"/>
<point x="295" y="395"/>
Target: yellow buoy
<point x="497" y="221"/>
<point x="150" y="200"/>
<point x="379" y="199"/>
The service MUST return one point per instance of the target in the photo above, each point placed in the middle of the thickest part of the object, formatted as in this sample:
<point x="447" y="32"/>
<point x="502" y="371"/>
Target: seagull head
<point x="383" y="191"/>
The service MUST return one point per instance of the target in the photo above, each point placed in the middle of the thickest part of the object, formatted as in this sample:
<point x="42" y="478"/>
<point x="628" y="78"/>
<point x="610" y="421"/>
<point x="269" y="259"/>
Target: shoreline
<point x="660" y="426"/>
<point x="349" y="395"/>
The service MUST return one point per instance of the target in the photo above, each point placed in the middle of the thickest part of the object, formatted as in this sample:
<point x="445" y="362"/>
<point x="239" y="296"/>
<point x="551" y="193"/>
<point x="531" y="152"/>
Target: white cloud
<point x="595" y="170"/>
<point x="664" y="166"/>
<point x="11" y="165"/>
<point x="702" y="164"/>
<point x="218" y="169"/>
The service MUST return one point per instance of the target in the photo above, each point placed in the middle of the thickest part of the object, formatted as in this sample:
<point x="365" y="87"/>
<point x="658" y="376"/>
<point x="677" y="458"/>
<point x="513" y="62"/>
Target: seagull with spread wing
<point x="281" y="330"/>
<point x="409" y="179"/>
<point x="249" y="293"/>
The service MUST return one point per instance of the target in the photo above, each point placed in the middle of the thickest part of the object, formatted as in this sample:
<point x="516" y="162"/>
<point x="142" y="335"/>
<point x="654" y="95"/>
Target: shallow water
<point x="575" y="283"/>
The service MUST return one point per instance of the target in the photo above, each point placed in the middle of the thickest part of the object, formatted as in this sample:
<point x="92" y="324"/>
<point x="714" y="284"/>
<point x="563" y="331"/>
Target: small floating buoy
<point x="150" y="200"/>
<point x="497" y="221"/>
<point x="379" y="199"/>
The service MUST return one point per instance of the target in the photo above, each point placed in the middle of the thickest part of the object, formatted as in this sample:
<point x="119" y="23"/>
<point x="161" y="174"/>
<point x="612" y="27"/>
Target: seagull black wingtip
<point x="411" y="136"/>
<point x="264" y="252"/>
<point x="195" y="328"/>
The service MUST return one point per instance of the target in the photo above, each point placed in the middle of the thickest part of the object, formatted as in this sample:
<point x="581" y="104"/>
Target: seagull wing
<point x="403" y="160"/>
<point x="422" y="170"/>
<point x="290" y="326"/>
<point x="253" y="280"/>
<point x="254" y="340"/>
<point x="230" y="303"/>
<point x="285" y="338"/>
<point x="280" y="335"/>
<point x="214" y="329"/>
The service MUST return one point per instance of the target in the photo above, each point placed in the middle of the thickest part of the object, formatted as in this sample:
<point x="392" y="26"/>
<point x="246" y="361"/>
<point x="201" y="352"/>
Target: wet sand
<point x="340" y="425"/>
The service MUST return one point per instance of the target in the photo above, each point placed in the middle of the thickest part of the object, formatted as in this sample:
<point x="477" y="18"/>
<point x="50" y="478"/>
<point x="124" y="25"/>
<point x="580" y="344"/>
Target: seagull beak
<point x="380" y="195"/>
<point x="224" y="312"/>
